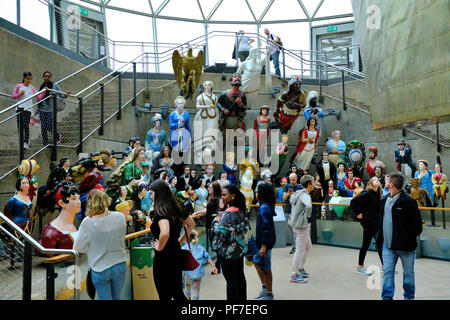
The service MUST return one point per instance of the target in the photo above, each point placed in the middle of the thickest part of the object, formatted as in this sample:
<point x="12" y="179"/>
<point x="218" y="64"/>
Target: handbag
<point x="90" y="288"/>
<point x="234" y="53"/>
<point x="189" y="262"/>
<point x="35" y="121"/>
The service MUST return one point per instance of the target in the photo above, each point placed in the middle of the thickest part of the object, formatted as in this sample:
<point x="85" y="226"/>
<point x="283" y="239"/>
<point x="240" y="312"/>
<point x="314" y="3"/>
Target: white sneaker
<point x="26" y="145"/>
<point x="261" y="295"/>
<point x="363" y="271"/>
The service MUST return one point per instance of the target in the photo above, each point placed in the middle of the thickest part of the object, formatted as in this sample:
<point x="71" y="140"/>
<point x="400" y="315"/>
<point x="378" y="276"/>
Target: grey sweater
<point x="301" y="209"/>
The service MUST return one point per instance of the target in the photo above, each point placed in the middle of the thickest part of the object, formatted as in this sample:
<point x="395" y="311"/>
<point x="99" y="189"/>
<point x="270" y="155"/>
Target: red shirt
<point x="52" y="238"/>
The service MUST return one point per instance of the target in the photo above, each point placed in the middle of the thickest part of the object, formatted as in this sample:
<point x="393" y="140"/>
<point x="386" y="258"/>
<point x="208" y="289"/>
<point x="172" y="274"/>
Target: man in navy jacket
<point x="399" y="225"/>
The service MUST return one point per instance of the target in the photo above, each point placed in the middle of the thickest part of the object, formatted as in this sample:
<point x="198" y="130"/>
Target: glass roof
<point x="232" y="11"/>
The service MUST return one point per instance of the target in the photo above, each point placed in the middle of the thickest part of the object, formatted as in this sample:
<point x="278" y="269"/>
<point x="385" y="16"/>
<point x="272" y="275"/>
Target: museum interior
<point x="132" y="111"/>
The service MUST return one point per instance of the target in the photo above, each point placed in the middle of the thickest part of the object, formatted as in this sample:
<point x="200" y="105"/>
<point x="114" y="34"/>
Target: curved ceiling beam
<point x="222" y="21"/>
<point x="251" y="11"/>
<point x="304" y="9"/>
<point x="219" y="2"/>
<point x="317" y="9"/>
<point x="265" y="10"/>
<point x="151" y="7"/>
<point x="158" y="11"/>
<point x="201" y="10"/>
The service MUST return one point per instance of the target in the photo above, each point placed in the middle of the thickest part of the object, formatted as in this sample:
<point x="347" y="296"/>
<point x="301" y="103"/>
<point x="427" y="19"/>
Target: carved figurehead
<point x="417" y="193"/>
<point x="246" y="187"/>
<point x="439" y="179"/>
<point x="155" y="139"/>
<point x="188" y="70"/>
<point x="60" y="233"/>
<point x="289" y="105"/>
<point x="250" y="70"/>
<point x="206" y="125"/>
<point x="232" y="105"/>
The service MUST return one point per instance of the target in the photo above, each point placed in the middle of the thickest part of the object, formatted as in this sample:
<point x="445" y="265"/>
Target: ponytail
<point x="26" y="74"/>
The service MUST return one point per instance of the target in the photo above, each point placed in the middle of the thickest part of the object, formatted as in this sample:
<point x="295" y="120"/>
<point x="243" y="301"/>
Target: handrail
<point x="108" y="75"/>
<point x="43" y="250"/>
<point x="137" y="234"/>
<point x="22" y="101"/>
<point x="5" y="95"/>
<point x="40" y="92"/>
<point x="61" y="92"/>
<point x="82" y="69"/>
<point x="65" y="257"/>
<point x="347" y="205"/>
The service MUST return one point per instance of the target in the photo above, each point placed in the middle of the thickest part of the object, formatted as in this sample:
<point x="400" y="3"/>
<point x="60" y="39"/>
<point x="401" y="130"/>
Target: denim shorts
<point x="264" y="263"/>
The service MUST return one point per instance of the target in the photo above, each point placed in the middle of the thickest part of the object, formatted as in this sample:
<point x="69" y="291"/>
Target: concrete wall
<point x="37" y="59"/>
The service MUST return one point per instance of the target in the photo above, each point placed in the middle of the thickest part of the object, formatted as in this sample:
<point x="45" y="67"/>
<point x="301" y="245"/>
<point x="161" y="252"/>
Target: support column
<point x="206" y="46"/>
<point x="268" y="75"/>
<point x="18" y="12"/>
<point x="258" y="40"/>
<point x="51" y="11"/>
<point x="155" y="44"/>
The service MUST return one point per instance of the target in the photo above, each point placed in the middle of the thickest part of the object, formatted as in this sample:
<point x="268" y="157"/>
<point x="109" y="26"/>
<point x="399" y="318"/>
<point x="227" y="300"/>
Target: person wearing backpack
<point x="265" y="239"/>
<point x="275" y="45"/>
<point x="229" y="228"/>
<point x="300" y="223"/>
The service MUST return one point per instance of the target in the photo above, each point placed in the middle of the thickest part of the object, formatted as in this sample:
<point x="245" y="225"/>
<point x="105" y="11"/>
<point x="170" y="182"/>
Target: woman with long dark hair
<point x="265" y="239"/>
<point x="366" y="209"/>
<point x="168" y="220"/>
<point x="229" y="228"/>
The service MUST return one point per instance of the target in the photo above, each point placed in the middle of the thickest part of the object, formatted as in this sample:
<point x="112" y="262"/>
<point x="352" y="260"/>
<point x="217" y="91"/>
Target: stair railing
<point x="28" y="243"/>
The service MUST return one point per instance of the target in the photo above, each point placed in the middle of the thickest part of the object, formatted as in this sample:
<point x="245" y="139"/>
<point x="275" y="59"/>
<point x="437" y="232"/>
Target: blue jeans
<point x="276" y="62"/>
<point x="390" y="258"/>
<point x="109" y="283"/>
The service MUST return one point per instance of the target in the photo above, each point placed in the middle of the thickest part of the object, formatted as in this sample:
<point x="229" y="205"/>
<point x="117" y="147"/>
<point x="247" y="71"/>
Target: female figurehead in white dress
<point x="207" y="118"/>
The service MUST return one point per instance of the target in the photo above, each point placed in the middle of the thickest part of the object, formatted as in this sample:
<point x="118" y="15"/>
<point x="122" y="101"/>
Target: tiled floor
<point x="333" y="276"/>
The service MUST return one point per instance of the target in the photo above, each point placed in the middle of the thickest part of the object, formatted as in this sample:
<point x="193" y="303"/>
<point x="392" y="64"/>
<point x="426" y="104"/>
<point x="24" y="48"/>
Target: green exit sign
<point x="83" y="12"/>
<point x="331" y="28"/>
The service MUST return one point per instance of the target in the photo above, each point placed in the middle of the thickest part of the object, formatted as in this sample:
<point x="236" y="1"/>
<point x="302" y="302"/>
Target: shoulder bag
<point x="189" y="262"/>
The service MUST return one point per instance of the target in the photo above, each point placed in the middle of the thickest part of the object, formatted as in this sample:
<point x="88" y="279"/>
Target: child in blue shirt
<point x="192" y="279"/>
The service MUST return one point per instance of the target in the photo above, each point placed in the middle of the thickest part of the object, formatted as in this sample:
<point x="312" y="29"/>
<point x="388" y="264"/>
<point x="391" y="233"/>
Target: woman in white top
<point x="102" y="237"/>
<point x="22" y="92"/>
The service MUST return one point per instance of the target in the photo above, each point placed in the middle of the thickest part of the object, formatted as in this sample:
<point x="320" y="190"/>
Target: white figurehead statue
<point x="207" y="118"/>
<point x="250" y="71"/>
